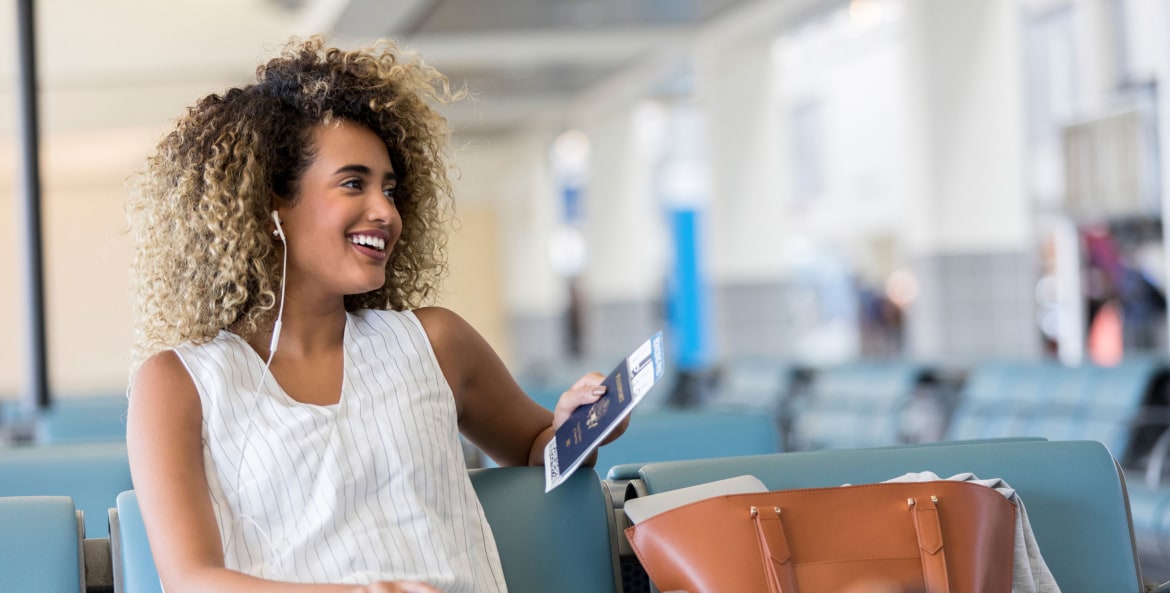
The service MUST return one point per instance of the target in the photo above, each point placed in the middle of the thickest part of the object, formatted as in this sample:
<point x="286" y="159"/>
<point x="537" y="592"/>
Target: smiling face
<point x="343" y="223"/>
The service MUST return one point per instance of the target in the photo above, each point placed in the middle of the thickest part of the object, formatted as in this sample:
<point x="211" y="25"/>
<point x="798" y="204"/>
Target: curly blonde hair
<point x="204" y="257"/>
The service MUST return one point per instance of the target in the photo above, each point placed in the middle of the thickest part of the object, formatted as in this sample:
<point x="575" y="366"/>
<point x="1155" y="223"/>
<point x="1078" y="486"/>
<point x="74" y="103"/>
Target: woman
<point x="294" y="422"/>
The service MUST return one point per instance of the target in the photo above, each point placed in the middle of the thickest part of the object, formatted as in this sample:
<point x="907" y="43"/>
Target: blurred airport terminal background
<point x="872" y="222"/>
<point x="817" y="180"/>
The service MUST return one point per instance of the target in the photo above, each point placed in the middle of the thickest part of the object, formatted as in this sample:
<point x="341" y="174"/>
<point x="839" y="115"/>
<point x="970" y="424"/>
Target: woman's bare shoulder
<point x="163" y="369"/>
<point x="439" y="318"/>
<point x="162" y="387"/>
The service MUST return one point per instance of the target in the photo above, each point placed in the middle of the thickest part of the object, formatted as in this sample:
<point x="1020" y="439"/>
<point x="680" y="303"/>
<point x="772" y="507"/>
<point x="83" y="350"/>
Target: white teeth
<point x="375" y="242"/>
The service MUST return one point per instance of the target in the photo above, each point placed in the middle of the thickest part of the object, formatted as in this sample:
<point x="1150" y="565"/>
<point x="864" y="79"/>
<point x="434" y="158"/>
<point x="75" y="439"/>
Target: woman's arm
<point x="494" y="413"/>
<point x="164" y="438"/>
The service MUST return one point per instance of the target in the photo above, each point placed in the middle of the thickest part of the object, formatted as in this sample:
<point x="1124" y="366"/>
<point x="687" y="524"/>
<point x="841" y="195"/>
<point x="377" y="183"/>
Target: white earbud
<point x="279" y="231"/>
<point x="284" y="271"/>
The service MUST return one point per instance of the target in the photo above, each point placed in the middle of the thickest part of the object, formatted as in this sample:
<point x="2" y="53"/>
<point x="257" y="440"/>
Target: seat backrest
<point x="1073" y="492"/>
<point x="84" y="420"/>
<point x="854" y="405"/>
<point x="133" y="564"/>
<point x="561" y="541"/>
<point x="992" y="401"/>
<point x="1056" y="402"/>
<point x="754" y="383"/>
<point x="1116" y="399"/>
<point x="92" y="474"/>
<point x="667" y="435"/>
<point x="40" y="541"/>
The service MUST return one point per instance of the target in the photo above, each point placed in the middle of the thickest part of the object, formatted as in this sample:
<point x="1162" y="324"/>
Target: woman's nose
<point x="380" y="208"/>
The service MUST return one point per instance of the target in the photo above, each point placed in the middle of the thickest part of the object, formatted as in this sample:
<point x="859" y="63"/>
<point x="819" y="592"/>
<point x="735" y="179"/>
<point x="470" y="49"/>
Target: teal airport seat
<point x="12" y="412"/>
<point x="133" y="563"/>
<point x="992" y="401"/>
<point x="83" y="420"/>
<point x="40" y="545"/>
<point x="1117" y="405"/>
<point x="1150" y="508"/>
<point x="754" y="383"/>
<point x="630" y="471"/>
<point x="561" y="541"/>
<point x="667" y="435"/>
<point x="1058" y="408"/>
<point x="1104" y="404"/>
<point x="853" y="405"/>
<point x="1073" y="490"/>
<point x="92" y="475"/>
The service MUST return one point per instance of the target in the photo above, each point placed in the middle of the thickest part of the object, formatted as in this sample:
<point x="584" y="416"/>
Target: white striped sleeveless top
<point x="372" y="488"/>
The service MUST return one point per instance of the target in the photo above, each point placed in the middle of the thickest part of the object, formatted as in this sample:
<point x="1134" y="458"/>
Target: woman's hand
<point x="585" y="391"/>
<point x="397" y="587"/>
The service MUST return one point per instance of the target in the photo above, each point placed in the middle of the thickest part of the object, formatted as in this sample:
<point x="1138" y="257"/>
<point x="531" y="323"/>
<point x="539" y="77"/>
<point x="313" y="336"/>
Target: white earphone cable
<point x="276" y="327"/>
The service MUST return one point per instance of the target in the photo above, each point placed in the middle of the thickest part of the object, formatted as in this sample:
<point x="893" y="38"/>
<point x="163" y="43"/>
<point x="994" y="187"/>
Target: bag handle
<point x="930" y="544"/>
<point x="774" y="550"/>
<point x="777" y="558"/>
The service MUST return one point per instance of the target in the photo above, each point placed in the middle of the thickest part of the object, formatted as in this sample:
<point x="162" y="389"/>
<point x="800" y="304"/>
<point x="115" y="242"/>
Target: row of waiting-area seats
<point x="862" y="404"/>
<point x="570" y="540"/>
<point x="760" y="406"/>
<point x="753" y="407"/>
<point x="875" y="404"/>
<point x="871" y="404"/>
<point x="79" y="419"/>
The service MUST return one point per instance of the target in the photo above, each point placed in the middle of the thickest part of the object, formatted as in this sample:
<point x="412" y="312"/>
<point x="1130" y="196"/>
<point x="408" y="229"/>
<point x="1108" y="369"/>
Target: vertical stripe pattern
<point x="372" y="488"/>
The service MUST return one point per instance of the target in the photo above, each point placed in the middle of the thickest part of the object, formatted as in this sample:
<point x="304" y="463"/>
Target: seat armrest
<point x="117" y="576"/>
<point x="1157" y="460"/>
<point x="624" y="471"/>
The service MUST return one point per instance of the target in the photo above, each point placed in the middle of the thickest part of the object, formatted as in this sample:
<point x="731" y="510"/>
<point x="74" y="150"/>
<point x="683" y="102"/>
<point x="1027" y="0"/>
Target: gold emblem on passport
<point x="597" y="412"/>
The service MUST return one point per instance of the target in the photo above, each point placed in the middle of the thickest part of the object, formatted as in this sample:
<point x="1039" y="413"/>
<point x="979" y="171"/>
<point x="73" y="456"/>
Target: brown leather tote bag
<point x="930" y="537"/>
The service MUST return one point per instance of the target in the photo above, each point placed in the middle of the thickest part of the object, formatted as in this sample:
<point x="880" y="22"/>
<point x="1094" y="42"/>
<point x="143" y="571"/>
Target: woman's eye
<point x="389" y="192"/>
<point x="352" y="184"/>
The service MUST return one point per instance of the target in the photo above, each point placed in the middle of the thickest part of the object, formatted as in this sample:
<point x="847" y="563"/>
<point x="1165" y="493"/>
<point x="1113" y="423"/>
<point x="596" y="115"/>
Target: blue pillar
<point x="687" y="292"/>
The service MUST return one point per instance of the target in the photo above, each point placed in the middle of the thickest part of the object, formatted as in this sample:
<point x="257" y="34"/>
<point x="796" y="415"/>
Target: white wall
<point x="966" y="125"/>
<point x="86" y="257"/>
<point x="748" y="213"/>
<point x="622" y="219"/>
<point x="512" y="173"/>
<point x="499" y="256"/>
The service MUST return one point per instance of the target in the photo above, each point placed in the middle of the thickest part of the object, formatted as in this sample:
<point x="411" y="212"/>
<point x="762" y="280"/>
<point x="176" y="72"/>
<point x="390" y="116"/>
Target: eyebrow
<point x="366" y="171"/>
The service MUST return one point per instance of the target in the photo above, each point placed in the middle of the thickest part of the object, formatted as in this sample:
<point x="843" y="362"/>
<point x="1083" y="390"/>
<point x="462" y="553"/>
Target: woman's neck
<point x="305" y="331"/>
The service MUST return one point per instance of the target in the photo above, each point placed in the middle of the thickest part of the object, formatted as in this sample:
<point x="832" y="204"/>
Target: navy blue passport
<point x="588" y="425"/>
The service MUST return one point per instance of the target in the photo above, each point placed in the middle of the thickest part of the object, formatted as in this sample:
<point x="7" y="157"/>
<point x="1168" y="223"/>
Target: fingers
<point x="590" y="379"/>
<point x="573" y="399"/>
<point x="587" y="390"/>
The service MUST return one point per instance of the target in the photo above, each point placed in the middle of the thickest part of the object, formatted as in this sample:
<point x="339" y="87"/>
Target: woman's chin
<point x="368" y="287"/>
